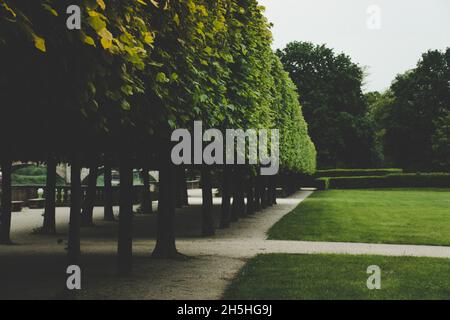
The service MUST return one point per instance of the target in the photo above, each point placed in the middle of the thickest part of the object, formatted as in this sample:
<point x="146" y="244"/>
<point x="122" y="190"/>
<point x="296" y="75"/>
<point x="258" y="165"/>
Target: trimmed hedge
<point x="413" y="180"/>
<point x="31" y="174"/>
<point x="143" y="68"/>
<point x="321" y="183"/>
<point x="357" y="172"/>
<point x="419" y="180"/>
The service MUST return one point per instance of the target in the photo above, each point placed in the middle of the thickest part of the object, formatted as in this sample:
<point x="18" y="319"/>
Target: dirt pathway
<point x="35" y="267"/>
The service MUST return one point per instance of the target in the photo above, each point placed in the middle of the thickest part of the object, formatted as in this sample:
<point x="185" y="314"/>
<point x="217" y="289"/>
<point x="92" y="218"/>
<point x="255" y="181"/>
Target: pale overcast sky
<point x="407" y="29"/>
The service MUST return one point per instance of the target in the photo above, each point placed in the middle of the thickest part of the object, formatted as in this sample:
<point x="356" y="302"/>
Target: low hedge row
<point x="356" y="172"/>
<point x="413" y="180"/>
<point x="321" y="183"/>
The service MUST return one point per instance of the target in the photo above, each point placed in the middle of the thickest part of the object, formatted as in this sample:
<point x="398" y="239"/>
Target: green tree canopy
<point x="138" y="69"/>
<point x="413" y="115"/>
<point x="333" y="104"/>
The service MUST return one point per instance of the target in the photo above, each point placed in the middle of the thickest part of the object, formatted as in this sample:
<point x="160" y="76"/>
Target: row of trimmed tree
<point x="112" y="93"/>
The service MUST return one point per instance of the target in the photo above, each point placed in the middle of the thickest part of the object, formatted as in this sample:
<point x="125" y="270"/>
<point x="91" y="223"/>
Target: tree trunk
<point x="75" y="208"/>
<point x="273" y="189"/>
<point x="165" y="236"/>
<point x="5" y="215"/>
<point x="88" y="208"/>
<point x="185" y="197"/>
<point x="146" y="205"/>
<point x="235" y="192"/>
<point x="49" y="225"/>
<point x="250" y="195"/>
<point x="181" y="189"/>
<point x="207" y="204"/>
<point x="297" y="182"/>
<point x="108" y="196"/>
<point x="178" y="188"/>
<point x="258" y="192"/>
<point x="125" y="243"/>
<point x="226" y="197"/>
<point x="263" y="182"/>
<point x="238" y="209"/>
<point x="269" y="190"/>
<point x="284" y="179"/>
<point x="289" y="183"/>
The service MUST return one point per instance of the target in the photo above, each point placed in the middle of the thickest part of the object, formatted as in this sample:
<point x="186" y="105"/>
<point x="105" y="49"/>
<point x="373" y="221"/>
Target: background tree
<point x="441" y="143"/>
<point x="413" y="115"/>
<point x="333" y="104"/>
<point x="378" y="105"/>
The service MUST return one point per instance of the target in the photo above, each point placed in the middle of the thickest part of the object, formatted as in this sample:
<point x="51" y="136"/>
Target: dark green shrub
<point x="434" y="180"/>
<point x="356" y="172"/>
<point x="32" y="175"/>
<point x="31" y="170"/>
<point x="357" y="182"/>
<point x="322" y="183"/>
<point x="413" y="180"/>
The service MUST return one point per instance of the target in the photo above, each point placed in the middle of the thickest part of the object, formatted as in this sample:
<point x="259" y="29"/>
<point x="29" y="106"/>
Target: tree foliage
<point x="413" y="116"/>
<point x="441" y="143"/>
<point x="138" y="69"/>
<point x="333" y="103"/>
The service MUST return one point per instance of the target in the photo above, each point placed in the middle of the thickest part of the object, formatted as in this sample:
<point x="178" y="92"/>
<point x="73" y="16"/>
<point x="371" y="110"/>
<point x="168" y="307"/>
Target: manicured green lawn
<point x="292" y="277"/>
<point x="402" y="216"/>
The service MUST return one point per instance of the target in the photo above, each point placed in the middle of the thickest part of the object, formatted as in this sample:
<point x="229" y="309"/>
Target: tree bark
<point x="185" y="197"/>
<point x="88" y="208"/>
<point x="258" y="192"/>
<point x="273" y="189"/>
<point x="238" y="208"/>
<point x="289" y="183"/>
<point x="268" y="182"/>
<point x="75" y="208"/>
<point x="250" y="195"/>
<point x="125" y="243"/>
<point x="298" y="180"/>
<point x="284" y="179"/>
<point x="165" y="236"/>
<point x="5" y="215"/>
<point x="225" y="216"/>
<point x="108" y="196"/>
<point x="49" y="225"/>
<point x="207" y="204"/>
<point x="178" y="188"/>
<point x="146" y="205"/>
<point x="263" y="182"/>
<point x="235" y="193"/>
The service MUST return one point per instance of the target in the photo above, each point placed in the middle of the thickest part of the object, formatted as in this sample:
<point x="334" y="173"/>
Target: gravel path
<point x="35" y="267"/>
<point x="252" y="248"/>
